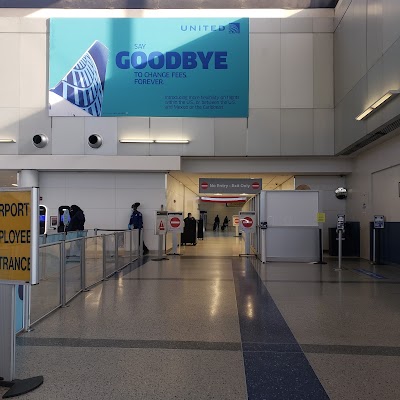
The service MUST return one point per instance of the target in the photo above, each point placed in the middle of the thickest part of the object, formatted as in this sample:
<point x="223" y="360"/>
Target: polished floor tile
<point x="149" y="309"/>
<point x="211" y="325"/>
<point x="350" y="377"/>
<point x="122" y="374"/>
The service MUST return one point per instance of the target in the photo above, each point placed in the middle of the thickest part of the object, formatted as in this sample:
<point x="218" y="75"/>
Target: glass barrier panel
<point x="110" y="253"/>
<point x="56" y="237"/>
<point x="123" y="248"/>
<point x="135" y="244"/>
<point x="46" y="296"/>
<point x="73" y="270"/>
<point x="76" y="234"/>
<point x="42" y="239"/>
<point x="93" y="260"/>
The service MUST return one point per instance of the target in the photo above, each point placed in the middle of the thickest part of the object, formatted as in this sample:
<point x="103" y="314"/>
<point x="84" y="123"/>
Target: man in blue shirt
<point x="136" y="222"/>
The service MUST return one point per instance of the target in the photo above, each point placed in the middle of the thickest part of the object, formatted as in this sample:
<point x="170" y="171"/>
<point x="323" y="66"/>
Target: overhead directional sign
<point x="15" y="236"/>
<point x="175" y="222"/>
<point x="226" y="185"/>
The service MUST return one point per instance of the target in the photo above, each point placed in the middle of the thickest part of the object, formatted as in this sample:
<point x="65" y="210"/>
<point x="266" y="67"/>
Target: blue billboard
<point x="108" y="67"/>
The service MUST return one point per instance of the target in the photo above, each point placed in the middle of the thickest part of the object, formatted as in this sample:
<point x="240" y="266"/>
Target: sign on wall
<point x="15" y="236"/>
<point x="247" y="221"/>
<point x="192" y="67"/>
<point x="225" y="185"/>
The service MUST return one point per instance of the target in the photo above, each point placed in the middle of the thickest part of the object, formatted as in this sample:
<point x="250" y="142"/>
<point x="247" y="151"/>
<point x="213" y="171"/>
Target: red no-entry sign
<point x="175" y="222"/>
<point x="204" y="185"/>
<point x="255" y="185"/>
<point x="247" y="222"/>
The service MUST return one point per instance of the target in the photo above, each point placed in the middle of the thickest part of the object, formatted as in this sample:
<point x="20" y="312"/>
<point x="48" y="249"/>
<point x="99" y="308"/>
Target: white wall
<point x="106" y="198"/>
<point x="328" y="203"/>
<point x="374" y="187"/>
<point x="291" y="92"/>
<point x="367" y="65"/>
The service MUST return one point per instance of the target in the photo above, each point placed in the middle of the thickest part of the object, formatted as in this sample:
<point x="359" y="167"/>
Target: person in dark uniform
<point x="136" y="222"/>
<point x="189" y="231"/>
<point x="77" y="221"/>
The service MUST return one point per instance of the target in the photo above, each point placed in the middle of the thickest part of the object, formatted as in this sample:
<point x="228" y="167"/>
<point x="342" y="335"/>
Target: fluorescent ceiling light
<point x="377" y="104"/>
<point x="7" y="141"/>
<point x="364" y="114"/>
<point x="136" y="141"/>
<point x="223" y="199"/>
<point x="243" y="194"/>
<point x="172" y="141"/>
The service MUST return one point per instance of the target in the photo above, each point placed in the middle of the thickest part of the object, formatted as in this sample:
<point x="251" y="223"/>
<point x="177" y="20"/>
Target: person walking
<point x="136" y="222"/>
<point x="216" y="223"/>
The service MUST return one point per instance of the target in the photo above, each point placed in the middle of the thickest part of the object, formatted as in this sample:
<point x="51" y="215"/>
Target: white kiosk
<point x="289" y="225"/>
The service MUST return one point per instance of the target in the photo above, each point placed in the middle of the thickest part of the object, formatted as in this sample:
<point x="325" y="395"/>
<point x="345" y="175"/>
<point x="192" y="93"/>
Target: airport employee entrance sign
<point x="16" y="236"/>
<point x="165" y="67"/>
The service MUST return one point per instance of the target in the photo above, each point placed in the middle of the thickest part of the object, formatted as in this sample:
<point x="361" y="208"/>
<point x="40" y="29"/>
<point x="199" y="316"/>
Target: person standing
<point x="189" y="230"/>
<point x="216" y="223"/>
<point x="136" y="222"/>
<point x="77" y="221"/>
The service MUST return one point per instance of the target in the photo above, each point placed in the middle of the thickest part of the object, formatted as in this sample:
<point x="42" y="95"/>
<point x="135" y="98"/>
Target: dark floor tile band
<point x="351" y="350"/>
<point x="208" y="257"/>
<point x="275" y="366"/>
<point x="128" y="344"/>
<point x="179" y="279"/>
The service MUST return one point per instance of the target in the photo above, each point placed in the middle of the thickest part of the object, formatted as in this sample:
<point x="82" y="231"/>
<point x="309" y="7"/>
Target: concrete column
<point x="28" y="178"/>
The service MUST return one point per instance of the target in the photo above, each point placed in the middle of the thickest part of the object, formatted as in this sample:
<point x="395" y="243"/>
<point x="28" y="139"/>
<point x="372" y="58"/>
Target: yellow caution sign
<point x="15" y="236"/>
<point x="321" y="217"/>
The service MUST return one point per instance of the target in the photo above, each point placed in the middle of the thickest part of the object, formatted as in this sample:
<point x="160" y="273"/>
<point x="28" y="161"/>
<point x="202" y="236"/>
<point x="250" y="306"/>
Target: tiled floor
<point x="211" y="325"/>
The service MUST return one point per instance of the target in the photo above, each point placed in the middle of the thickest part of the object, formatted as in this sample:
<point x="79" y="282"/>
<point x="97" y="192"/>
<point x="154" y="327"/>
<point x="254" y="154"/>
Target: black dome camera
<point x="341" y="193"/>
<point x="40" y="140"/>
<point x="95" y="141"/>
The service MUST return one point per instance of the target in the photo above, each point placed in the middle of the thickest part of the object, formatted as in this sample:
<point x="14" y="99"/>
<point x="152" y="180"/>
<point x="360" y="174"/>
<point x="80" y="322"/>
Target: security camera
<point x="341" y="193"/>
<point x="40" y="140"/>
<point x="95" y="141"/>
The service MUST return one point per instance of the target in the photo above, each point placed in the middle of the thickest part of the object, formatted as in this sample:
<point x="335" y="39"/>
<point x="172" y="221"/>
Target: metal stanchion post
<point x="140" y="243"/>
<point x="340" y="249"/>
<point x="160" y="255"/>
<point x="340" y="234"/>
<point x="104" y="258"/>
<point x="83" y="266"/>
<point x="374" y="246"/>
<point x="62" y="275"/>
<point x="116" y="251"/>
<point x="27" y="308"/>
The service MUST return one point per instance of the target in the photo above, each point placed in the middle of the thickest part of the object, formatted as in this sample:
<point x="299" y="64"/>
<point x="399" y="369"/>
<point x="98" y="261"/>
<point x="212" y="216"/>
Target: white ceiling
<point x="191" y="180"/>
